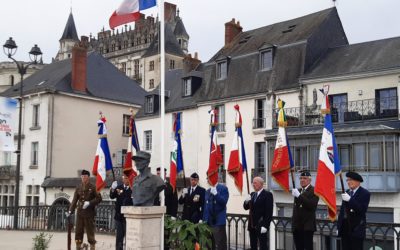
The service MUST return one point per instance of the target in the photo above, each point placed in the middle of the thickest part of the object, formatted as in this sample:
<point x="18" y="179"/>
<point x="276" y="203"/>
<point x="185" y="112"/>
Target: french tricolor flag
<point x="102" y="161"/>
<point x="328" y="163"/>
<point x="129" y="11"/>
<point x="133" y="147"/>
<point x="215" y="150"/>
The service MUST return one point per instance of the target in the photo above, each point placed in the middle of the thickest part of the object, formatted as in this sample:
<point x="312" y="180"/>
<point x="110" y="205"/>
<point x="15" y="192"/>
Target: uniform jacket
<point x="85" y="193"/>
<point x="123" y="198"/>
<point x="215" y="206"/>
<point x="193" y="205"/>
<point x="260" y="210"/>
<point x="171" y="200"/>
<point x="352" y="217"/>
<point x="304" y="210"/>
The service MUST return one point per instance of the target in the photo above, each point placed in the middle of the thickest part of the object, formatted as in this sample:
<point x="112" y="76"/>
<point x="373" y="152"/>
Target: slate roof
<point x="358" y="58"/>
<point x="171" y="44"/>
<point x="180" y="29"/>
<point x="70" y="30"/>
<point x="104" y="81"/>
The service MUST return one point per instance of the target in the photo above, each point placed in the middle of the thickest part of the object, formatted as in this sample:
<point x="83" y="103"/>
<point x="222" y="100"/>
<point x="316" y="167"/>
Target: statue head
<point x="142" y="160"/>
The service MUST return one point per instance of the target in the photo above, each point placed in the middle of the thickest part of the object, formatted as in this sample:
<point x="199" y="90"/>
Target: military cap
<point x="141" y="155"/>
<point x="305" y="173"/>
<point x="194" y="176"/>
<point x="355" y="176"/>
<point x="85" y="172"/>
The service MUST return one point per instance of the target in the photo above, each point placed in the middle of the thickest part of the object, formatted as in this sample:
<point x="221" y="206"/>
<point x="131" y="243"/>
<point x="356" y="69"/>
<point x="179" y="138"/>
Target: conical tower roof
<point x="70" y="30"/>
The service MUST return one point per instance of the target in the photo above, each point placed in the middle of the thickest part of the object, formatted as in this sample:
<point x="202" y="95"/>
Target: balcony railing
<point x="258" y="123"/>
<point x="360" y="110"/>
<point x="7" y="172"/>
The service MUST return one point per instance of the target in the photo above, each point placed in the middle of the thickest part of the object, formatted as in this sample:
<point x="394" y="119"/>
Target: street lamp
<point x="10" y="48"/>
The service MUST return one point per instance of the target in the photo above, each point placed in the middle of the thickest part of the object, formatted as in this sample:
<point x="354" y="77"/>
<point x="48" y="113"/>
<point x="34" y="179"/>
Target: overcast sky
<point x="42" y="21"/>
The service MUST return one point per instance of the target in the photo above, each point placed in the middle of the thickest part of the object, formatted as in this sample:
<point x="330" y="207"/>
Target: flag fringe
<point x="329" y="206"/>
<point x="283" y="187"/>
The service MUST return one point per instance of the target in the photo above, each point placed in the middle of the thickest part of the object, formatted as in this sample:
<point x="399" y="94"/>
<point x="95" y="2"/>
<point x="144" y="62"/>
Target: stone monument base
<point x="143" y="227"/>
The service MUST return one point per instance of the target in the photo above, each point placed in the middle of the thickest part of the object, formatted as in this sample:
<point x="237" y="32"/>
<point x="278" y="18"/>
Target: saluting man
<point x="86" y="198"/>
<point x="193" y="200"/>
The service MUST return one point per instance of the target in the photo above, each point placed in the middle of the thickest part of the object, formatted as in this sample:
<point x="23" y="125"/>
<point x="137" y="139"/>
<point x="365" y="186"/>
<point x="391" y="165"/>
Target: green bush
<point x="183" y="234"/>
<point x="41" y="241"/>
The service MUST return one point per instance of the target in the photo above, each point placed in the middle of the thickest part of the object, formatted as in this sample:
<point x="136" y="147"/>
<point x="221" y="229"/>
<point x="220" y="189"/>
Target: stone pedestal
<point x="143" y="227"/>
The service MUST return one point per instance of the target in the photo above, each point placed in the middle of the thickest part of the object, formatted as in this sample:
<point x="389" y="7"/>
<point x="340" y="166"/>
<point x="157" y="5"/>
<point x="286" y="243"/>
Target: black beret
<point x="194" y="176"/>
<point x="305" y="173"/>
<point x="355" y="176"/>
<point x="141" y="155"/>
<point x="85" y="172"/>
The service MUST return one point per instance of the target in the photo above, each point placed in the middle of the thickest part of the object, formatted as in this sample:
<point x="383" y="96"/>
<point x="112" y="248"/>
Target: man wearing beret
<point x="85" y="200"/>
<point x="193" y="200"/>
<point x="304" y="208"/>
<point x="352" y="218"/>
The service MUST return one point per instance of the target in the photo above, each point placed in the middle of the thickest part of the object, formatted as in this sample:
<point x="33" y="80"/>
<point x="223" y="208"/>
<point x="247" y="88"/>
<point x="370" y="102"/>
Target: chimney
<point x="232" y="29"/>
<point x="169" y="12"/>
<point x="190" y="63"/>
<point x="79" y="62"/>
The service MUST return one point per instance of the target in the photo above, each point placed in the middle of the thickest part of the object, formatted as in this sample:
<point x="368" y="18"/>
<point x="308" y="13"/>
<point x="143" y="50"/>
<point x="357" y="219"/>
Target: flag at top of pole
<point x="215" y="150"/>
<point x="133" y="147"/>
<point x="328" y="163"/>
<point x="176" y="165"/>
<point x="102" y="162"/>
<point x="129" y="11"/>
<point x="282" y="161"/>
<point x="237" y="159"/>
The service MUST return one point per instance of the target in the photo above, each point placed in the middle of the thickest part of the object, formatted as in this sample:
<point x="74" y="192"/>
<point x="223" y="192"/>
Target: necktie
<point x="351" y="193"/>
<point x="255" y="197"/>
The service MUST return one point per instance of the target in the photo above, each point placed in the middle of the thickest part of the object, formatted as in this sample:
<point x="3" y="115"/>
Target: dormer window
<point x="266" y="59"/>
<point x="187" y="87"/>
<point x="222" y="70"/>
<point x="149" y="105"/>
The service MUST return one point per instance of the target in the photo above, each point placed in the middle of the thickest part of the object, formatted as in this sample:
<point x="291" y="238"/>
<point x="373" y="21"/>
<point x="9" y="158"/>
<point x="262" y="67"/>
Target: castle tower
<point x="68" y="39"/>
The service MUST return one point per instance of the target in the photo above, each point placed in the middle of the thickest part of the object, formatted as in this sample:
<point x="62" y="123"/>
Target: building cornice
<point x="100" y="100"/>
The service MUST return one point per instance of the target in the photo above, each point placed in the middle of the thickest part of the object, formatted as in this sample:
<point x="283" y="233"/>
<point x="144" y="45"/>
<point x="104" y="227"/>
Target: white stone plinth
<point x="143" y="227"/>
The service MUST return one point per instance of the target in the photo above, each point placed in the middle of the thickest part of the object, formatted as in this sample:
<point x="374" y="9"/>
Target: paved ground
<point x="23" y="240"/>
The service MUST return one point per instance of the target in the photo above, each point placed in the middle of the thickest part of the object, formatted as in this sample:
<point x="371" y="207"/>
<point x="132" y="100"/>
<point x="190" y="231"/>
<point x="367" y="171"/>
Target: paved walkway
<point x="23" y="240"/>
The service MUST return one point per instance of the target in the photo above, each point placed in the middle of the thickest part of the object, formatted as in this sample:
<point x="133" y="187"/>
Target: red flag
<point x="215" y="151"/>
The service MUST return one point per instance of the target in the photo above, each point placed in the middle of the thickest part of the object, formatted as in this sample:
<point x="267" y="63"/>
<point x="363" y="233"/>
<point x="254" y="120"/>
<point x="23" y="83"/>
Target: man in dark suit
<point x="352" y="218"/>
<point x="304" y="208"/>
<point x="260" y="202"/>
<point x="193" y="200"/>
<point x="171" y="196"/>
<point x="123" y="195"/>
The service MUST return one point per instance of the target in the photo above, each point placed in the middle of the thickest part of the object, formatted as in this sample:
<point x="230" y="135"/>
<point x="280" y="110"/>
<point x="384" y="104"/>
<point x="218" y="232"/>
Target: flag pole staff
<point x="341" y="181"/>
<point x="183" y="169"/>
<point x="239" y="125"/>
<point x="112" y="169"/>
<point x="292" y="174"/>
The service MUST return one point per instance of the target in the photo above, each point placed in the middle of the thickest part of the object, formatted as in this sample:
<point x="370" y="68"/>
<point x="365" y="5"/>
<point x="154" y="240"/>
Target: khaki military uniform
<point x="85" y="217"/>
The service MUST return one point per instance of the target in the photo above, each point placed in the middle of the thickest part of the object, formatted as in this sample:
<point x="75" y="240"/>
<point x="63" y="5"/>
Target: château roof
<point x="70" y="30"/>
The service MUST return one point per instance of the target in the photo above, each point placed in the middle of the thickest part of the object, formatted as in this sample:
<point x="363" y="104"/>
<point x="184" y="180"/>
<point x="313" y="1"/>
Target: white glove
<point x="263" y="230"/>
<point x="184" y="191"/>
<point x="114" y="185"/>
<point x="213" y="190"/>
<point x="346" y="197"/>
<point x="200" y="221"/>
<point x="248" y="198"/>
<point x="68" y="214"/>
<point x="295" y="192"/>
<point x="85" y="204"/>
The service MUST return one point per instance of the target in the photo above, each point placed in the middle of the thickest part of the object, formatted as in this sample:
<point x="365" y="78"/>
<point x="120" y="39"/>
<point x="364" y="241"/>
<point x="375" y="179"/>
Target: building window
<point x="360" y="156"/>
<point x="151" y="67"/>
<point x="187" y="87"/>
<point x="221" y="118"/>
<point x="344" y="156"/>
<point x="259" y="156"/>
<point x="136" y="69"/>
<point x="390" y="163"/>
<point x="149" y="105"/>
<point x="266" y="59"/>
<point x="314" y="156"/>
<point x="171" y="64"/>
<point x="300" y="157"/>
<point x="7" y="158"/>
<point x="386" y="102"/>
<point x="339" y="107"/>
<point x="259" y="119"/>
<point x="35" y="115"/>
<point x="222" y="70"/>
<point x="125" y="44"/>
<point x="34" y="153"/>
<point x="112" y="47"/>
<point x="125" y="124"/>
<point x="148" y="140"/>
<point x="151" y="84"/>
<point x="375" y="156"/>
<point x="11" y="80"/>
<point x="123" y="67"/>
<point x="222" y="169"/>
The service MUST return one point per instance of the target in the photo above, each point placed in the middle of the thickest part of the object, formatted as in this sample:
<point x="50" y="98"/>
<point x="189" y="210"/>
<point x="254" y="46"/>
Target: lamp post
<point x="10" y="48"/>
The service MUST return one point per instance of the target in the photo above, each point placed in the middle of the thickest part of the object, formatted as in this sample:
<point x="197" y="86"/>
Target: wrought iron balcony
<point x="7" y="172"/>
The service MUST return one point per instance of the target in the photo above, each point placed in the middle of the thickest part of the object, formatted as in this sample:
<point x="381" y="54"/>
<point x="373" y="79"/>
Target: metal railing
<point x="259" y="123"/>
<point x="52" y="218"/>
<point x="7" y="172"/>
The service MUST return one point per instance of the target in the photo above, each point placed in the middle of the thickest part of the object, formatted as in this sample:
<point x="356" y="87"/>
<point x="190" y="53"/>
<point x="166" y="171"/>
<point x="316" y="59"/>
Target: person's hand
<point x="184" y="191"/>
<point x="295" y="192"/>
<point x="248" y="198"/>
<point x="200" y="221"/>
<point x="263" y="230"/>
<point x="114" y="185"/>
<point x="213" y="191"/>
<point x="85" y="204"/>
<point x="68" y="214"/>
<point x="345" y="197"/>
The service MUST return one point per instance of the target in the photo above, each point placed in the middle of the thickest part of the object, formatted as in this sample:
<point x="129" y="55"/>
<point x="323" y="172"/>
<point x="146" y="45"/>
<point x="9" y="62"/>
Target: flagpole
<point x="292" y="174"/>
<point x="341" y="182"/>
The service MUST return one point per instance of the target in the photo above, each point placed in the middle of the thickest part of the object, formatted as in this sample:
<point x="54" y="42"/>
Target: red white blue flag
<point x="215" y="150"/>
<point x="133" y="147"/>
<point x="176" y="165"/>
<point x="237" y="159"/>
<point x="102" y="162"/>
<point x="328" y="163"/>
<point x="129" y="11"/>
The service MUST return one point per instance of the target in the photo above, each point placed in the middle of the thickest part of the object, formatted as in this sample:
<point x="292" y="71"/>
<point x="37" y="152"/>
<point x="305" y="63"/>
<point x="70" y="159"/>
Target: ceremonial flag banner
<point x="215" y="151"/>
<point x="129" y="11"/>
<point x="133" y="147"/>
<point x="282" y="161"/>
<point x="8" y="108"/>
<point x="102" y="162"/>
<point x="328" y="163"/>
<point x="237" y="159"/>
<point x="176" y="165"/>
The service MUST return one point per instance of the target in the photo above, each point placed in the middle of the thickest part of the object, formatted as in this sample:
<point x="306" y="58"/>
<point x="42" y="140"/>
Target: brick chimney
<point x="79" y="62"/>
<point x="232" y="29"/>
<point x="169" y="12"/>
<point x="190" y="63"/>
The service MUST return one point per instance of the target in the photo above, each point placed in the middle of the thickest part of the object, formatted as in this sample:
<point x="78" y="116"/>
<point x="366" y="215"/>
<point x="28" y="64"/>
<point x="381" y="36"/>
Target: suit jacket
<point x="261" y="209"/>
<point x="352" y="217"/>
<point x="215" y="206"/>
<point x="171" y="200"/>
<point x="85" y="193"/>
<point x="124" y="198"/>
<point x="304" y="210"/>
<point x="193" y="205"/>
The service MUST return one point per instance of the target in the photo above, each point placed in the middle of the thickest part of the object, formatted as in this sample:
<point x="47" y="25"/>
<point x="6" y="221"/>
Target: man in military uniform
<point x="85" y="200"/>
<point x="171" y="196"/>
<point x="193" y="200"/>
<point x="304" y="208"/>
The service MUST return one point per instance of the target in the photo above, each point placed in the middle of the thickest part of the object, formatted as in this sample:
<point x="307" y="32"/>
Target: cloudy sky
<point x="42" y="21"/>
